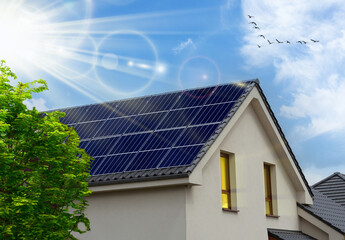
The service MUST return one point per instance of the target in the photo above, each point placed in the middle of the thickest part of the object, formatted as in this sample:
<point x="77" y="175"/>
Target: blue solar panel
<point x="151" y="132"/>
<point x="162" y="139"/>
<point x="114" y="163"/>
<point x="145" y="122"/>
<point x="101" y="146"/>
<point x="147" y="160"/>
<point x="113" y="127"/>
<point x="226" y="93"/>
<point x="179" y="118"/>
<point x="180" y="156"/>
<point x="130" y="143"/>
<point x="191" y="98"/>
<point x="89" y="129"/>
<point x="160" y="102"/>
<point x="196" y="135"/>
<point x="213" y="113"/>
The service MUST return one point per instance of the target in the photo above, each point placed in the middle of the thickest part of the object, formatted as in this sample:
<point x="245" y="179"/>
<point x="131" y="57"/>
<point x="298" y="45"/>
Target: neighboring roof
<point x="288" y="235"/>
<point x="326" y="210"/>
<point x="333" y="187"/>
<point x="158" y="136"/>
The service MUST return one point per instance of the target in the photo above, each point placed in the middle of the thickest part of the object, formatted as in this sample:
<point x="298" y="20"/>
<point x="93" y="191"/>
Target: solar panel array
<point x="151" y="132"/>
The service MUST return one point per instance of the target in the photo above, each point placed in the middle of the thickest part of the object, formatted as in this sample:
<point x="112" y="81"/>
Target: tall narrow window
<point x="225" y="175"/>
<point x="268" y="189"/>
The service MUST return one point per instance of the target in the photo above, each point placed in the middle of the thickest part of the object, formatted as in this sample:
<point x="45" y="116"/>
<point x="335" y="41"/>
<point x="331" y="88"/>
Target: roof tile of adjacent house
<point x="326" y="209"/>
<point x="288" y="235"/>
<point x="120" y="134"/>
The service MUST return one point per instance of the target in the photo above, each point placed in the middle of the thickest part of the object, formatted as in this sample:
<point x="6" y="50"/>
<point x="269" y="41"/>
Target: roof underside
<point x="288" y="235"/>
<point x="152" y="137"/>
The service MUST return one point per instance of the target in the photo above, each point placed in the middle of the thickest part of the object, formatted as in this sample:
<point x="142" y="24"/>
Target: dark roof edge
<point x="284" y="138"/>
<point x="222" y="125"/>
<point x="329" y="177"/>
<point x="133" y="180"/>
<point x="321" y="219"/>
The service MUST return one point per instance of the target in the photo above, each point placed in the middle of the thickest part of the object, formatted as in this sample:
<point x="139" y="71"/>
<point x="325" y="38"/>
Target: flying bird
<point x="256" y="27"/>
<point x="253" y="23"/>
<point x="278" y="41"/>
<point x="269" y="41"/>
<point x="262" y="36"/>
<point x="250" y="16"/>
<point x="304" y="42"/>
<point x="299" y="42"/>
<point x="288" y="42"/>
<point x="315" y="41"/>
<point x="259" y="46"/>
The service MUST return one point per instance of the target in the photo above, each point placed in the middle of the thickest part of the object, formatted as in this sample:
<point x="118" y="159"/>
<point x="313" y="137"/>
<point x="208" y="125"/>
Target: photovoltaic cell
<point x="196" y="135"/>
<point x="96" y="112"/>
<point x="147" y="160"/>
<point x="114" y="163"/>
<point x="145" y="122"/>
<point x="181" y="156"/>
<point x="94" y="164"/>
<point x="179" y="118"/>
<point x="100" y="147"/>
<point x="73" y="115"/>
<point x="162" y="139"/>
<point x="213" y="113"/>
<point x="130" y="143"/>
<point x="160" y="102"/>
<point x="193" y="98"/>
<point x="113" y="127"/>
<point x="127" y="107"/>
<point x="88" y="129"/>
<point x="226" y="93"/>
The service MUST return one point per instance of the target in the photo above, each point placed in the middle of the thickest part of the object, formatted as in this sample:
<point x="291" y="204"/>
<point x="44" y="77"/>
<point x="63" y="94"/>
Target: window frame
<point x="230" y="189"/>
<point x="270" y="190"/>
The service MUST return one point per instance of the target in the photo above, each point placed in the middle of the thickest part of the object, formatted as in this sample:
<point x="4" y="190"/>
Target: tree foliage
<point x="43" y="173"/>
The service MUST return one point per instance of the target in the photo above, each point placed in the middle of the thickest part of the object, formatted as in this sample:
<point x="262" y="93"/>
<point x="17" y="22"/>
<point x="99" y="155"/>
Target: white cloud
<point x="39" y="103"/>
<point x="314" y="73"/>
<point x="183" y="45"/>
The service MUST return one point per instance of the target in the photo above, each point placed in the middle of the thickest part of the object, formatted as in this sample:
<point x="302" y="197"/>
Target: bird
<point x="304" y="42"/>
<point x="253" y="23"/>
<point x="256" y="27"/>
<point x="262" y="36"/>
<point x="250" y="16"/>
<point x="269" y="41"/>
<point x="299" y="42"/>
<point x="259" y="46"/>
<point x="278" y="41"/>
<point x="315" y="41"/>
<point x="288" y="42"/>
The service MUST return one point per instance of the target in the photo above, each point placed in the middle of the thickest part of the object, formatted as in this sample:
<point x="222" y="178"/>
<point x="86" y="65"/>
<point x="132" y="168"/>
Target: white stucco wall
<point x="252" y="147"/>
<point x="152" y="214"/>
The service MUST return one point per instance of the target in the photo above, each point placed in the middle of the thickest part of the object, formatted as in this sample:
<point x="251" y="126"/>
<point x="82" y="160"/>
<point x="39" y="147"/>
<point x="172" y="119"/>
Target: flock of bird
<point x="256" y="27"/>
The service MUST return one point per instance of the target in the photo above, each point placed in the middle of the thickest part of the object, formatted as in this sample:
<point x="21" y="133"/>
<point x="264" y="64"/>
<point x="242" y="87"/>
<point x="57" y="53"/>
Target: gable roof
<point x="333" y="187"/>
<point x="158" y="136"/>
<point x="288" y="235"/>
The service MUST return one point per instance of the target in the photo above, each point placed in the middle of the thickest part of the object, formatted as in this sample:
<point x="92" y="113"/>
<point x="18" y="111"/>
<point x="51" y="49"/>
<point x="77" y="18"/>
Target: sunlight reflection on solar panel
<point x="160" y="102"/>
<point x="196" y="135"/>
<point x="192" y="98"/>
<point x="88" y="130"/>
<point x="213" y="113"/>
<point x="145" y="122"/>
<point x="178" y="118"/>
<point x="162" y="139"/>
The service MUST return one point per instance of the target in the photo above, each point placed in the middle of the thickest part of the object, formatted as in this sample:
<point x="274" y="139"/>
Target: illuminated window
<point x="268" y="189"/>
<point x="228" y="178"/>
<point x="225" y="175"/>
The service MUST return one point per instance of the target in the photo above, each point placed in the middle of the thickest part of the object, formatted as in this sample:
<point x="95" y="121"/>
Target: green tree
<point x="43" y="173"/>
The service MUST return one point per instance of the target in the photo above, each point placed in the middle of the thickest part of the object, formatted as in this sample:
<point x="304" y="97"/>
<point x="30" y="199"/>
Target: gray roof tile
<point x="288" y="235"/>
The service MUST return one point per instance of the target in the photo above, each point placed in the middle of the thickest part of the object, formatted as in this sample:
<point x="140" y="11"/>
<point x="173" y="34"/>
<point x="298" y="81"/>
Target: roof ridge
<point x="327" y="178"/>
<point x="255" y="80"/>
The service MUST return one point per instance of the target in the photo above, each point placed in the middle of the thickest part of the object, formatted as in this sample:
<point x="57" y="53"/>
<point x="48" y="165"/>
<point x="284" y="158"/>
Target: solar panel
<point x="160" y="131"/>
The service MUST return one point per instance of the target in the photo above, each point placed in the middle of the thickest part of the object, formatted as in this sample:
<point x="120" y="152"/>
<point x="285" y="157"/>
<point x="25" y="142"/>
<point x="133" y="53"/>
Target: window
<point x="225" y="174"/>
<point x="268" y="190"/>
<point x="228" y="181"/>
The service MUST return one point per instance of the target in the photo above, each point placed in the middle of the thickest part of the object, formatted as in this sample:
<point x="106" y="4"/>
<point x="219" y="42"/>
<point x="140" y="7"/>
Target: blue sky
<point x="94" y="51"/>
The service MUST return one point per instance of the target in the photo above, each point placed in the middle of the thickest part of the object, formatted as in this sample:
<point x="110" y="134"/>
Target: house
<point x="206" y="163"/>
